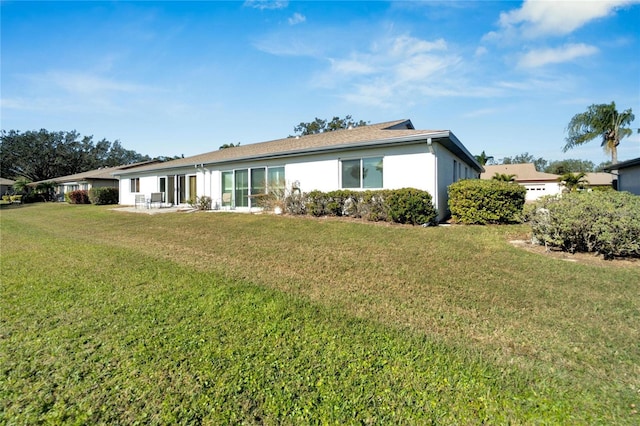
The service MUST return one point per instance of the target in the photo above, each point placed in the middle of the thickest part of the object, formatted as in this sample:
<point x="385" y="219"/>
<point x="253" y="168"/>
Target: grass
<point x="110" y="317"/>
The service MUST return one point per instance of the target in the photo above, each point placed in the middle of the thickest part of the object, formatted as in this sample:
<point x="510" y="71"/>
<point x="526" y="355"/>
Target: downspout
<point x="432" y="151"/>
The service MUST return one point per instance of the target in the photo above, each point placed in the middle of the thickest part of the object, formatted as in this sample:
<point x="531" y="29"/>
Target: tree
<point x="503" y="177"/>
<point x="320" y="126"/>
<point x="229" y="145"/>
<point x="569" y="166"/>
<point x="43" y="155"/>
<point x="573" y="181"/>
<point x="600" y="121"/>
<point x="525" y="157"/>
<point x="483" y="158"/>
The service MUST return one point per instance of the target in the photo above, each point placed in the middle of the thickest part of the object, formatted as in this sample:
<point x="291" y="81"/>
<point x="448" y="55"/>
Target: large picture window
<point x="238" y="186"/>
<point x="362" y="173"/>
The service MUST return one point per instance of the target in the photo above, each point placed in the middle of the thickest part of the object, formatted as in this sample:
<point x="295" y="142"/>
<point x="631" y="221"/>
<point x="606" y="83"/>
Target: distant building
<point x="538" y="184"/>
<point x="6" y="186"/>
<point x="99" y="178"/>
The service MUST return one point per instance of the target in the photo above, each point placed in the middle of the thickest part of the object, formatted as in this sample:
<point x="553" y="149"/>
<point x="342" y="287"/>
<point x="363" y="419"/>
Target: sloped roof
<point x="623" y="164"/>
<point x="4" y="181"/>
<point x="599" y="179"/>
<point x="105" y="173"/>
<point x="525" y="172"/>
<point x="373" y="134"/>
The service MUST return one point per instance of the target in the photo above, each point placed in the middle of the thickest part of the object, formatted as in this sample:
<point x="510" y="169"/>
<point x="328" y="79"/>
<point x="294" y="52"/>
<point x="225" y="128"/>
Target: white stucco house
<point x="387" y="155"/>
<point x="628" y="175"/>
<point x="538" y="184"/>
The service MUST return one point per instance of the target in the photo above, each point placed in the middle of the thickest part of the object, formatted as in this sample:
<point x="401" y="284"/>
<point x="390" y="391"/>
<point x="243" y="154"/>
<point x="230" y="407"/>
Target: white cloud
<point x="481" y="51"/>
<point x="266" y="4"/>
<point x="540" y="57"/>
<point x="80" y="83"/>
<point x="538" y="18"/>
<point x="297" y="18"/>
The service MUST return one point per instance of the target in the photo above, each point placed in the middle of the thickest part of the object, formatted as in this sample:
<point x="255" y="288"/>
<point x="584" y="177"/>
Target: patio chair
<point x="140" y="199"/>
<point x="156" y="198"/>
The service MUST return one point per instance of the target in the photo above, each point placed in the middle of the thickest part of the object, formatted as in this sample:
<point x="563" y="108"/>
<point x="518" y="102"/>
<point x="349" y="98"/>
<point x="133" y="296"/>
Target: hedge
<point x="606" y="223"/>
<point x="102" y="196"/>
<point x="406" y="205"/>
<point x="477" y="201"/>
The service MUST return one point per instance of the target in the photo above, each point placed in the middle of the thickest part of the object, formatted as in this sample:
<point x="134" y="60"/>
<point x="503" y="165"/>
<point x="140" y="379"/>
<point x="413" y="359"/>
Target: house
<point x="6" y="186"/>
<point x="387" y="155"/>
<point x="628" y="175"/>
<point x="538" y="184"/>
<point x="99" y="178"/>
<point x="598" y="180"/>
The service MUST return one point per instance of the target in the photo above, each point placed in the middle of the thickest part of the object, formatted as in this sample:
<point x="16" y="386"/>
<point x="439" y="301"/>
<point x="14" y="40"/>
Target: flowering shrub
<point x="80" y="196"/>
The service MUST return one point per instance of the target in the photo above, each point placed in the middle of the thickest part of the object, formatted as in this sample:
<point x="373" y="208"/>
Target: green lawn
<point x="218" y="318"/>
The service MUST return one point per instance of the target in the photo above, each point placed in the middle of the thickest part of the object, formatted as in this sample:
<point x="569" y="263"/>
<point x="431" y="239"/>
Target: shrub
<point x="16" y="198"/>
<point x="410" y="205"/>
<point x="201" y="203"/>
<point x="316" y="203"/>
<point x="295" y="203"/>
<point x="79" y="196"/>
<point x="476" y="201"/>
<point x="606" y="223"/>
<point x="103" y="196"/>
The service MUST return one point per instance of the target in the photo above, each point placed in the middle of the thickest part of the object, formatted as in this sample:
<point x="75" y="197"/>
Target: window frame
<point x="362" y="176"/>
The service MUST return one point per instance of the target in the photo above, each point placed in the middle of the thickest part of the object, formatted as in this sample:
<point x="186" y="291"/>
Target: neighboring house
<point x="379" y="156"/>
<point x="538" y="184"/>
<point x="628" y="175"/>
<point x="6" y="186"/>
<point x="598" y="180"/>
<point x="99" y="178"/>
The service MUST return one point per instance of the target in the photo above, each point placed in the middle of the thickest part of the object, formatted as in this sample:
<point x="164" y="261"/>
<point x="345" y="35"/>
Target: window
<point x="362" y="173"/>
<point x="227" y="189"/>
<point x="135" y="185"/>
<point x="242" y="188"/>
<point x="276" y="178"/>
<point x="258" y="181"/>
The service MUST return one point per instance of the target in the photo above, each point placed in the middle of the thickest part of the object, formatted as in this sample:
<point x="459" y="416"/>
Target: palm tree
<point x="573" y="181"/>
<point x="602" y="120"/>
<point x="483" y="158"/>
<point x="503" y="177"/>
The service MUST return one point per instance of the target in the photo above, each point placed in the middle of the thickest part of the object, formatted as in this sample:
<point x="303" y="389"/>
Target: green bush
<point x="79" y="196"/>
<point x="316" y="203"/>
<point x="476" y="201"/>
<point x="103" y="196"/>
<point x="16" y="198"/>
<point x="407" y="205"/>
<point x="603" y="222"/>
<point x="411" y="206"/>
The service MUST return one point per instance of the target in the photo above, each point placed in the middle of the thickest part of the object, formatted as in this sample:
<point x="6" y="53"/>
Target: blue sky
<point x="173" y="78"/>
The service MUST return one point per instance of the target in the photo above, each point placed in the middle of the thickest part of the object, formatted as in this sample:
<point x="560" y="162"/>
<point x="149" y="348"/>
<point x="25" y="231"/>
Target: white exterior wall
<point x="629" y="180"/>
<point x="536" y="190"/>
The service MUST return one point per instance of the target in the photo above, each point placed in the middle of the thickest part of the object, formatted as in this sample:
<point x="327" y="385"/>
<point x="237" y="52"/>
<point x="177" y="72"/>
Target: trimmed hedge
<point x="102" y="196"/>
<point x="477" y="201"/>
<point x="407" y="205"/>
<point x="606" y="223"/>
